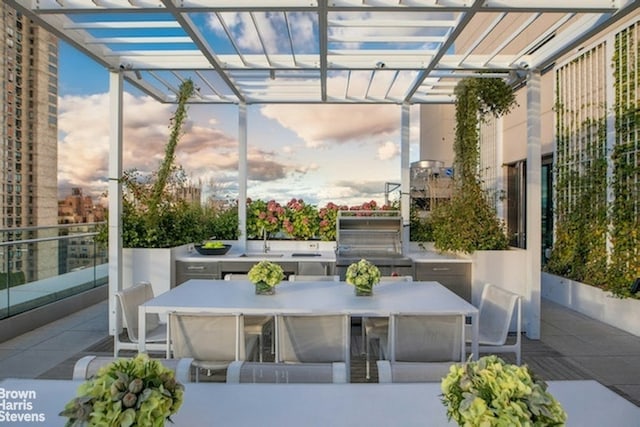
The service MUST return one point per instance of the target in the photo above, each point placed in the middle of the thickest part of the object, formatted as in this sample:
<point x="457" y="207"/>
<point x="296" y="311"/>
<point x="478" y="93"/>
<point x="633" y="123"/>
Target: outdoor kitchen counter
<point x="239" y="255"/>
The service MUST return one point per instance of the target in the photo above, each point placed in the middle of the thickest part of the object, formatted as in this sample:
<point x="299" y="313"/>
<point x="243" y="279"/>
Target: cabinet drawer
<point x="197" y="267"/>
<point x="442" y="269"/>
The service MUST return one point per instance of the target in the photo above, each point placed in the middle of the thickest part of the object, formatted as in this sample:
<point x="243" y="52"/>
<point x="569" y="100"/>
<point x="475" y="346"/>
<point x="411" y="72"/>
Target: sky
<point x="319" y="153"/>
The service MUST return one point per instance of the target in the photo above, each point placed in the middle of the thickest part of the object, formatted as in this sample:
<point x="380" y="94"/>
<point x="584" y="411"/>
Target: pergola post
<point x="115" y="193"/>
<point x="242" y="175"/>
<point x="532" y="275"/>
<point x="405" y="201"/>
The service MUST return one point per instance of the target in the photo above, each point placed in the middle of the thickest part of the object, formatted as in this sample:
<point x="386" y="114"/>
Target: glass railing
<point x="40" y="265"/>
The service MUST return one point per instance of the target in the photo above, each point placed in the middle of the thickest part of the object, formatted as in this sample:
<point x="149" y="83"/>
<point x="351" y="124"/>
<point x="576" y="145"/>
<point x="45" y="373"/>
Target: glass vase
<point x="363" y="292"/>
<point x="262" y="288"/>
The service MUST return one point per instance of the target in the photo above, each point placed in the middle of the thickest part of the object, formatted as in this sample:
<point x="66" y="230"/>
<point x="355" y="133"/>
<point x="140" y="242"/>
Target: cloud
<point x="317" y="124"/>
<point x="204" y="151"/>
<point x="388" y="150"/>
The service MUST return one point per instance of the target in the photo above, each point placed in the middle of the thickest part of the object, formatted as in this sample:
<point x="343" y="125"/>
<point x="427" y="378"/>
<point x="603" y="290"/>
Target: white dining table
<point x="313" y="297"/>
<point x="587" y="403"/>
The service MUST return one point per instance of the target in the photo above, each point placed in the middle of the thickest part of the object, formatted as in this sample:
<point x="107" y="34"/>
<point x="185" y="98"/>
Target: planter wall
<point x="592" y="302"/>
<point x="504" y="269"/>
<point x="156" y="266"/>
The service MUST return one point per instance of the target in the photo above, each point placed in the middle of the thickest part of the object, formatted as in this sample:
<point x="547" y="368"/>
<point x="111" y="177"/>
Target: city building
<point x="29" y="138"/>
<point x="77" y="208"/>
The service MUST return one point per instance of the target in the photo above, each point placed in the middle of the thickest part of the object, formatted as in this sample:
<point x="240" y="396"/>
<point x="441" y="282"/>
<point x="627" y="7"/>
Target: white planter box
<point x="593" y="302"/>
<point x="156" y="266"/>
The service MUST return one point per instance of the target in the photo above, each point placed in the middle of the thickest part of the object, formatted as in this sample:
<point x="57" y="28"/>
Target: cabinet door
<point x="186" y="270"/>
<point x="454" y="276"/>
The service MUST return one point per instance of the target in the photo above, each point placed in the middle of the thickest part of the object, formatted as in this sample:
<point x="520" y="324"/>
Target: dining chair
<point x="313" y="278"/>
<point x="211" y="340"/>
<point x="375" y="327"/>
<point x="127" y="302"/>
<point x="259" y="326"/>
<point x="312" y="338"/>
<point x="87" y="366"/>
<point x="495" y="316"/>
<point x="422" y="348"/>
<point x="251" y="372"/>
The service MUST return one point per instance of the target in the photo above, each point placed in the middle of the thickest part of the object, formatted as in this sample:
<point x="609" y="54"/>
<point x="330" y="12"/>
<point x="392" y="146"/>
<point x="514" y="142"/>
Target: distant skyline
<point x="320" y="153"/>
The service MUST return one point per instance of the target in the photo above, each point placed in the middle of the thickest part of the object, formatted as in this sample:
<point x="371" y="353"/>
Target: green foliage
<point x="597" y="241"/>
<point x="301" y="221"/>
<point x="420" y="229"/>
<point x="490" y="392"/>
<point x="264" y="217"/>
<point x="468" y="223"/>
<point x="267" y="273"/>
<point x="363" y="275"/>
<point x="15" y="278"/>
<point x="128" y="392"/>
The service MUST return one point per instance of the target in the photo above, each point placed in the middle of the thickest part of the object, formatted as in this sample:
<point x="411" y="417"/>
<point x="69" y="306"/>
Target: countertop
<point x="236" y="254"/>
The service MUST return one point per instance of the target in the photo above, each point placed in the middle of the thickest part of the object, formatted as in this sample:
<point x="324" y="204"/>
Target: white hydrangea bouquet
<point x="127" y="392"/>
<point x="490" y="392"/>
<point x="266" y="275"/>
<point x="363" y="275"/>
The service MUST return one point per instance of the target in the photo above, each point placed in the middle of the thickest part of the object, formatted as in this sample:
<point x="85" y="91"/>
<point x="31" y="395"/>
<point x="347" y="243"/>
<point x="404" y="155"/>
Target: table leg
<point x="142" y="329"/>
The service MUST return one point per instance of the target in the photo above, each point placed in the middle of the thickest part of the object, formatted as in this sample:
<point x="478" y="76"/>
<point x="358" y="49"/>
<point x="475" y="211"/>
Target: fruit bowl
<point x="212" y="251"/>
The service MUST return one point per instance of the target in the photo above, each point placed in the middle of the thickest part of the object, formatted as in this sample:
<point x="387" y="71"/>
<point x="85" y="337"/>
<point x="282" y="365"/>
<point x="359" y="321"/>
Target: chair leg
<point x="367" y="359"/>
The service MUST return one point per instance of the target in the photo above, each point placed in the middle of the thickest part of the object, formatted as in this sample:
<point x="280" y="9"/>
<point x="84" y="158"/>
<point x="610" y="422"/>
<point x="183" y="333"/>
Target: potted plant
<point x="265" y="275"/>
<point x="363" y="275"/>
<point x="490" y="392"/>
<point x="128" y="392"/>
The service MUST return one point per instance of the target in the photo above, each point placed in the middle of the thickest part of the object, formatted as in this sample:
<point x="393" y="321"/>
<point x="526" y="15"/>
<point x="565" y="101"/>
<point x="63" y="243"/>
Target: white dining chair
<point x="251" y="372"/>
<point x="421" y="348"/>
<point x="310" y="338"/>
<point x="127" y="302"/>
<point x="259" y="326"/>
<point x="375" y="327"/>
<point x="211" y="340"/>
<point x="495" y="316"/>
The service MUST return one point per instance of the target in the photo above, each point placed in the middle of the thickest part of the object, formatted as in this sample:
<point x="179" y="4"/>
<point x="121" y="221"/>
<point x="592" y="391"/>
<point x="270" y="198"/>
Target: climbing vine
<point x="468" y="222"/>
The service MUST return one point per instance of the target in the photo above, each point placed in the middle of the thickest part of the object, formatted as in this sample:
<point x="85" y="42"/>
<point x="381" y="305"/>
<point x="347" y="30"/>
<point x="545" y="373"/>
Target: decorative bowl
<point x="212" y="251"/>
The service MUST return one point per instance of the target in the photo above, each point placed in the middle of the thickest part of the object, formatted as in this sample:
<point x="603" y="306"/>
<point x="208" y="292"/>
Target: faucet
<point x="265" y="245"/>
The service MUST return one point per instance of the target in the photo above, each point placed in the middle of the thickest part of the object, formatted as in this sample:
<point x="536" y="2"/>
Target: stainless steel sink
<point x="262" y="255"/>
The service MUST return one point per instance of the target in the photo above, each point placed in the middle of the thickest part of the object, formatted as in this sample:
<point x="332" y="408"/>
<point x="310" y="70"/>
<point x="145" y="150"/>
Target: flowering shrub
<point x="128" y="392"/>
<point x="301" y="220"/>
<point x="363" y="275"/>
<point x="266" y="272"/>
<point x="328" y="216"/>
<point x="263" y="217"/>
<point x="490" y="392"/>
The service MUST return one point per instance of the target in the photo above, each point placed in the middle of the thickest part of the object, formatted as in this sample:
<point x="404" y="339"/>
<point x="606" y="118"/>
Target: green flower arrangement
<point x="490" y="392"/>
<point x="266" y="275"/>
<point x="128" y="392"/>
<point x="363" y="275"/>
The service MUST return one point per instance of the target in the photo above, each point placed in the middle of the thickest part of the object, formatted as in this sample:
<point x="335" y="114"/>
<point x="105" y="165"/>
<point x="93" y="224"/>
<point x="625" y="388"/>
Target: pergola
<point x="401" y="52"/>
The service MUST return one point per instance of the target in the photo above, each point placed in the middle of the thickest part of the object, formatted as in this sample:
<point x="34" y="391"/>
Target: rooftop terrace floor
<point x="572" y="346"/>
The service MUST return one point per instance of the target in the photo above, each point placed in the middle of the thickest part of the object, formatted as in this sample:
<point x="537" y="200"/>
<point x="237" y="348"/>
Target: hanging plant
<point x="468" y="222"/>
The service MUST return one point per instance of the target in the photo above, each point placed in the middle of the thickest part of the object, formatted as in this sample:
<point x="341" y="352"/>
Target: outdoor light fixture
<point x="380" y="64"/>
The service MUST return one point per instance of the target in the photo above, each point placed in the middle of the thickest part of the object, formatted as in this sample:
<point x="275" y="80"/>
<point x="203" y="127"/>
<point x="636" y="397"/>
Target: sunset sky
<point x="320" y="153"/>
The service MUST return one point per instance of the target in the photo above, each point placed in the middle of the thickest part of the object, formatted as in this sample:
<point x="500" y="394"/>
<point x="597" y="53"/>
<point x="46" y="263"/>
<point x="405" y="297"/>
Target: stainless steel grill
<point x="372" y="235"/>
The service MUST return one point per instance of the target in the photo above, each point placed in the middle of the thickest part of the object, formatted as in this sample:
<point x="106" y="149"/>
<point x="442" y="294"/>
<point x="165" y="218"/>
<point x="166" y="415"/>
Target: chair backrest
<point x="87" y="366"/>
<point x="426" y="338"/>
<point x="495" y="312"/>
<point x="206" y="337"/>
<point x="396" y="278"/>
<point x="312" y="338"/>
<point x="313" y="278"/>
<point x="236" y="276"/>
<point x="129" y="299"/>
<point x="256" y="372"/>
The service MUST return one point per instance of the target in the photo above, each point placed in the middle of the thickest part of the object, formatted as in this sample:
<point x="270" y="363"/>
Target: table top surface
<point x="587" y="403"/>
<point x="315" y="297"/>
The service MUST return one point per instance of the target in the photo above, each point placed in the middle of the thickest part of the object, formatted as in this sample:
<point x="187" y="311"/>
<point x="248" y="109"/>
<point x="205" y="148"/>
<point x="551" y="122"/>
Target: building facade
<point x="29" y="138"/>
